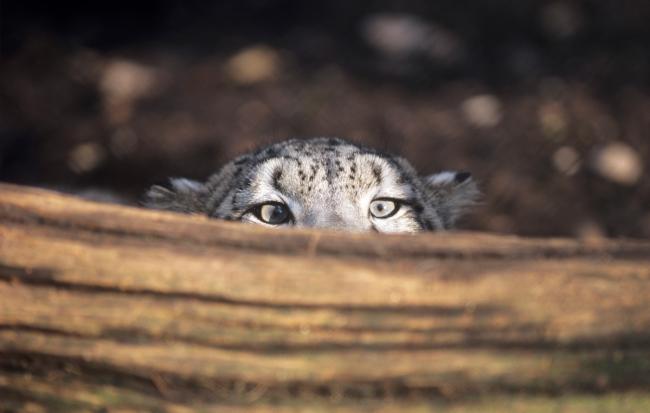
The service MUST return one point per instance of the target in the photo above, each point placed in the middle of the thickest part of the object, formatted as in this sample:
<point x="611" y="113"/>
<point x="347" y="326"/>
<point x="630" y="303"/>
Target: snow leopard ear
<point x="185" y="196"/>
<point x="456" y="192"/>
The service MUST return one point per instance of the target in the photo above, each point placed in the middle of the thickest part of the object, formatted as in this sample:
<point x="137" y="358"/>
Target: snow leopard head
<point x="323" y="183"/>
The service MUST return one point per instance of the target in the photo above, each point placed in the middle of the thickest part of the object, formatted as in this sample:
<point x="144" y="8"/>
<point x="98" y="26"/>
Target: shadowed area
<point x="544" y="102"/>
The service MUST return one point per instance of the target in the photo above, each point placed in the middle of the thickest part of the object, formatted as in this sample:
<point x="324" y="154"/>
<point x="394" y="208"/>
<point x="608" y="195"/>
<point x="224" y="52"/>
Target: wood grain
<point x="125" y="308"/>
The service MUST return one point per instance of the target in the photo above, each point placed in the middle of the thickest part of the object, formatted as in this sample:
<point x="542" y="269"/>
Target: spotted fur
<point x="324" y="183"/>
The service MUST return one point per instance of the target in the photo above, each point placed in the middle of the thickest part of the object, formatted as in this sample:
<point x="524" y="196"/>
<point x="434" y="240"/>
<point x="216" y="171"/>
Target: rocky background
<point x="546" y="102"/>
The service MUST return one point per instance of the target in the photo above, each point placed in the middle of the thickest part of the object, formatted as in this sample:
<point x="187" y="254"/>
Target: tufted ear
<point x="185" y="196"/>
<point x="455" y="191"/>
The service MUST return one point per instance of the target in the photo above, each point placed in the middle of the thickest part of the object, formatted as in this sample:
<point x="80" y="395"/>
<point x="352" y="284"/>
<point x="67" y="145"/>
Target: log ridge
<point x="105" y="306"/>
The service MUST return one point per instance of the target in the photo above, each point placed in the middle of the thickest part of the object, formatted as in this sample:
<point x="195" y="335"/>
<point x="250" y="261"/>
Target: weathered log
<point x="110" y="306"/>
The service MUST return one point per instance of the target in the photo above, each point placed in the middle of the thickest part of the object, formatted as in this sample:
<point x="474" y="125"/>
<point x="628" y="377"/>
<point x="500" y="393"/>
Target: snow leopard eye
<point x="272" y="213"/>
<point x="384" y="208"/>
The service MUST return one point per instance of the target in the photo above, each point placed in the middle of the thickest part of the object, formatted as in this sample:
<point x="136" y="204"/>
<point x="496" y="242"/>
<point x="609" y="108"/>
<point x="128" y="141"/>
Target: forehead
<point x="319" y="148"/>
<point x="323" y="168"/>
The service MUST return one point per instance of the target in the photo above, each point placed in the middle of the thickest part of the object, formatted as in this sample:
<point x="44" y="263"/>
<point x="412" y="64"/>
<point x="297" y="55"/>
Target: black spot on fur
<point x="376" y="171"/>
<point x="271" y="152"/>
<point x="417" y="207"/>
<point x="461" y="177"/>
<point x="277" y="175"/>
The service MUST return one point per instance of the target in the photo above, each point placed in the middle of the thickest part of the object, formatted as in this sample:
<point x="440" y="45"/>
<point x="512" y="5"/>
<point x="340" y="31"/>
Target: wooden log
<point x="116" y="307"/>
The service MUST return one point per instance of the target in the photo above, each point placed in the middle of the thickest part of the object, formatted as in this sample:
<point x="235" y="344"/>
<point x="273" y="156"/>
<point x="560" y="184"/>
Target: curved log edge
<point x="110" y="306"/>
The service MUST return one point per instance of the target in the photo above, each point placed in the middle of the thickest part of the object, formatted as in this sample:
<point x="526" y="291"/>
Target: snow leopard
<point x="323" y="183"/>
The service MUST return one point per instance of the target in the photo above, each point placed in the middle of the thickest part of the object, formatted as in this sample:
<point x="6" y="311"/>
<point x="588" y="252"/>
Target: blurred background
<point x="546" y="102"/>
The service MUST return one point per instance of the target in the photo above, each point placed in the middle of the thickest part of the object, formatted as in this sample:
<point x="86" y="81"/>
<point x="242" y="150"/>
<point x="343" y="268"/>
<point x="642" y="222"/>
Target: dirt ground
<point x="546" y="103"/>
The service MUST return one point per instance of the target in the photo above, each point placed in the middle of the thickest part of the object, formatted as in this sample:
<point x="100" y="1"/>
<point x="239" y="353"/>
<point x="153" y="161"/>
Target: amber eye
<point x="272" y="213"/>
<point x="384" y="208"/>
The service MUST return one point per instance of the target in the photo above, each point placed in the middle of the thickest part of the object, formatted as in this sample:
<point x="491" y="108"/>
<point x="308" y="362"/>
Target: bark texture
<point x="109" y="307"/>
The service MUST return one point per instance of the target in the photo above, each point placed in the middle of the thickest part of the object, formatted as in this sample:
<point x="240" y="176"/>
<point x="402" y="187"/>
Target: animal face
<point x="323" y="183"/>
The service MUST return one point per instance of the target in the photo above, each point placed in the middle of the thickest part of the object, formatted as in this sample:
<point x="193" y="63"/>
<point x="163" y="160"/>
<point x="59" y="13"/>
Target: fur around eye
<point x="272" y="213"/>
<point x="384" y="208"/>
<point x="323" y="183"/>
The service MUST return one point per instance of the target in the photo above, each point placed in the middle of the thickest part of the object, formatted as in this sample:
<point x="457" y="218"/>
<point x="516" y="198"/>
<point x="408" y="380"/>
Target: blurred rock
<point x="125" y="79"/>
<point x="86" y="157"/>
<point x="253" y="65"/>
<point x="396" y="35"/>
<point x="122" y="83"/>
<point x="618" y="162"/>
<point x="566" y="160"/>
<point x="553" y="120"/>
<point x="483" y="111"/>
<point x="400" y="36"/>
